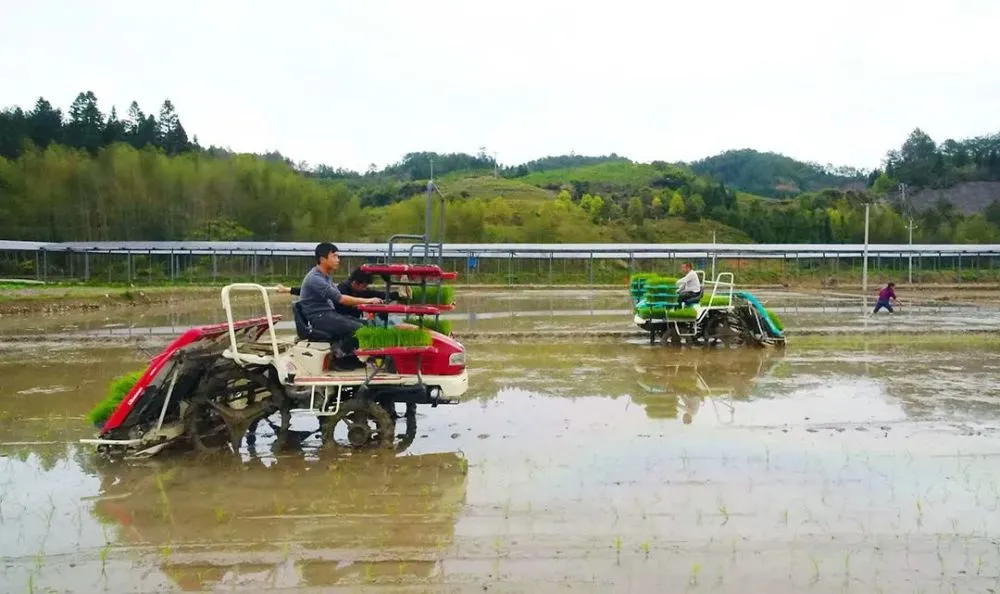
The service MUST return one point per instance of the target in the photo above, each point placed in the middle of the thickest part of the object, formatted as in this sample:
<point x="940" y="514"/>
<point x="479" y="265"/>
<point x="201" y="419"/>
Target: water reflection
<point x="289" y="521"/>
<point x="682" y="382"/>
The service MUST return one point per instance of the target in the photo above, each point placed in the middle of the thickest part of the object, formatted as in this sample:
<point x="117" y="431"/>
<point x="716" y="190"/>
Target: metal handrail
<point x="227" y="305"/>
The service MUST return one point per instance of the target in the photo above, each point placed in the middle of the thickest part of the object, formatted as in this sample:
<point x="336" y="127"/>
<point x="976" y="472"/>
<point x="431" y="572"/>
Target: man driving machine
<point x="320" y="299"/>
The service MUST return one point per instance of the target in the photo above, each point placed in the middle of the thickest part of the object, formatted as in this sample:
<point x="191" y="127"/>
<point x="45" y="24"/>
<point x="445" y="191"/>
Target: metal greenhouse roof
<point x="516" y="250"/>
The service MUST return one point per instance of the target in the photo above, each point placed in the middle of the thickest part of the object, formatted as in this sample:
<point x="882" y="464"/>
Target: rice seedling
<point x="433" y="295"/>
<point x="687" y="313"/>
<point x="725" y="514"/>
<point x="370" y="337"/>
<point x="775" y="319"/>
<point x="716" y="301"/>
<point x="815" y="570"/>
<point x="439" y="325"/>
<point x="645" y="549"/>
<point x="695" y="571"/>
<point x="117" y="390"/>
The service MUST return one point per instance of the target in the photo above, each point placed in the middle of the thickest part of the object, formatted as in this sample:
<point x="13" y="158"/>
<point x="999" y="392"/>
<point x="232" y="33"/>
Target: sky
<point x="353" y="83"/>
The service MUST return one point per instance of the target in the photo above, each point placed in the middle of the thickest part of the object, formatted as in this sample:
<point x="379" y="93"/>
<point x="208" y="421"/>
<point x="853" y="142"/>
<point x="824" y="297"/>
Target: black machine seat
<point x="693" y="298"/>
<point x="304" y="330"/>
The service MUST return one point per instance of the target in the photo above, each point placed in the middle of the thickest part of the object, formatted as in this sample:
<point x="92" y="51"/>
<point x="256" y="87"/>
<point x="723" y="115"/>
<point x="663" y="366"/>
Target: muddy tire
<point x="367" y="424"/>
<point x="205" y="429"/>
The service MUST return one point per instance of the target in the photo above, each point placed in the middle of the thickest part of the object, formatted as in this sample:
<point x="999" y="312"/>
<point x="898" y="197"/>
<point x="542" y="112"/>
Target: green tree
<point x="635" y="210"/>
<point x="85" y="129"/>
<point x="884" y="184"/>
<point x="676" y="206"/>
<point x="45" y="124"/>
<point x="694" y="207"/>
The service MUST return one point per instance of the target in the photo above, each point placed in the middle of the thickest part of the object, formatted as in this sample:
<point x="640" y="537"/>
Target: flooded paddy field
<point x="525" y="312"/>
<point x="581" y="465"/>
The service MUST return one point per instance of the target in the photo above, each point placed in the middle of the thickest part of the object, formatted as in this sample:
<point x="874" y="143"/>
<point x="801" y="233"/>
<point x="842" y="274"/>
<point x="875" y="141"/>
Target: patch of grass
<point x="488" y="187"/>
<point x="439" y="325"/>
<point x="433" y="295"/>
<point x="370" y="337"/>
<point x="117" y="390"/>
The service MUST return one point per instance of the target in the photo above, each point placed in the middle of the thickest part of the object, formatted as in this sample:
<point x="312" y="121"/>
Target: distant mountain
<point x="775" y="175"/>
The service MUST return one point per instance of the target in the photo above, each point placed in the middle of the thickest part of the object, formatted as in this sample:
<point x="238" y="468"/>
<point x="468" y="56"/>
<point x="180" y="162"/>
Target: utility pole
<point x="428" y="212"/>
<point x="713" y="254"/>
<point x="864" y="272"/>
<point x="909" y="214"/>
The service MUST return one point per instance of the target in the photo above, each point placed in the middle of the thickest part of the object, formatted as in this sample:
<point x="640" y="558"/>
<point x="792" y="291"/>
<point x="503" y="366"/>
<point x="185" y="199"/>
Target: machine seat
<point x="304" y="330"/>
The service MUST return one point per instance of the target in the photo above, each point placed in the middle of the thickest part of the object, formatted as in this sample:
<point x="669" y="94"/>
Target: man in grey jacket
<point x="319" y="298"/>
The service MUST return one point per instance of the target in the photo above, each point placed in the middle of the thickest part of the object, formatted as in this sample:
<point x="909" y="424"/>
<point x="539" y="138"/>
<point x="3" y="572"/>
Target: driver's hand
<point x="282" y="289"/>
<point x="374" y="300"/>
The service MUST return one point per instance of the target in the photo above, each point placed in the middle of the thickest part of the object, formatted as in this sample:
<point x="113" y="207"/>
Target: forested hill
<point x="89" y="176"/>
<point x="964" y="173"/>
<point x="774" y="175"/>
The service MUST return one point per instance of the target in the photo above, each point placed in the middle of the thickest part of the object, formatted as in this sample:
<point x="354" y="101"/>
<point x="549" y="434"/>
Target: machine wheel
<point x="409" y="417"/>
<point x="366" y="424"/>
<point x="205" y="428"/>
<point x="670" y="335"/>
<point x="719" y="329"/>
<point x="227" y="405"/>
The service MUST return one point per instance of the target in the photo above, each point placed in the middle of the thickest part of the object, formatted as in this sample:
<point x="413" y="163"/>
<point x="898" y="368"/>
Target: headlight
<point x="457" y="359"/>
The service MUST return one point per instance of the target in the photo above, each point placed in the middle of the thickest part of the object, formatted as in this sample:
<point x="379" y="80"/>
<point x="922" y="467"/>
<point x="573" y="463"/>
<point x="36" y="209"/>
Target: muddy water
<point x="588" y="467"/>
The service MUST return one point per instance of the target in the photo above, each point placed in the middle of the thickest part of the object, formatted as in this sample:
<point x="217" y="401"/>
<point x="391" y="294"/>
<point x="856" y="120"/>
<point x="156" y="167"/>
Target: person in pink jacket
<point x="886" y="298"/>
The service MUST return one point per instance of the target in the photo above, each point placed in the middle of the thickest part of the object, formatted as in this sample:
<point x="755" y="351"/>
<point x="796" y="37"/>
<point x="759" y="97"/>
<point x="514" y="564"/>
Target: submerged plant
<point x="695" y="570"/>
<point x="725" y="514"/>
<point x="117" y="390"/>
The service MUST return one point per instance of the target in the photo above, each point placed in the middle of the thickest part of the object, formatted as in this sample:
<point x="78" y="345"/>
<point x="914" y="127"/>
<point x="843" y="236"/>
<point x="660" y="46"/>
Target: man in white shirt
<point x="688" y="286"/>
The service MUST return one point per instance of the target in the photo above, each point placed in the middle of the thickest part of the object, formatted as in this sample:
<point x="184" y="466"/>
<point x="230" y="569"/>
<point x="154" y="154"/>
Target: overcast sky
<point x="353" y="83"/>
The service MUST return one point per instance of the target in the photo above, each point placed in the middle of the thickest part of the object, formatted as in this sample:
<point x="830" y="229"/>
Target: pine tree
<point x="45" y="124"/>
<point x="86" y="123"/>
<point x="115" y="129"/>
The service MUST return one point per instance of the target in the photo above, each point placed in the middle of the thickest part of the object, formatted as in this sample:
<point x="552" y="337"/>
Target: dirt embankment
<point x="56" y="300"/>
